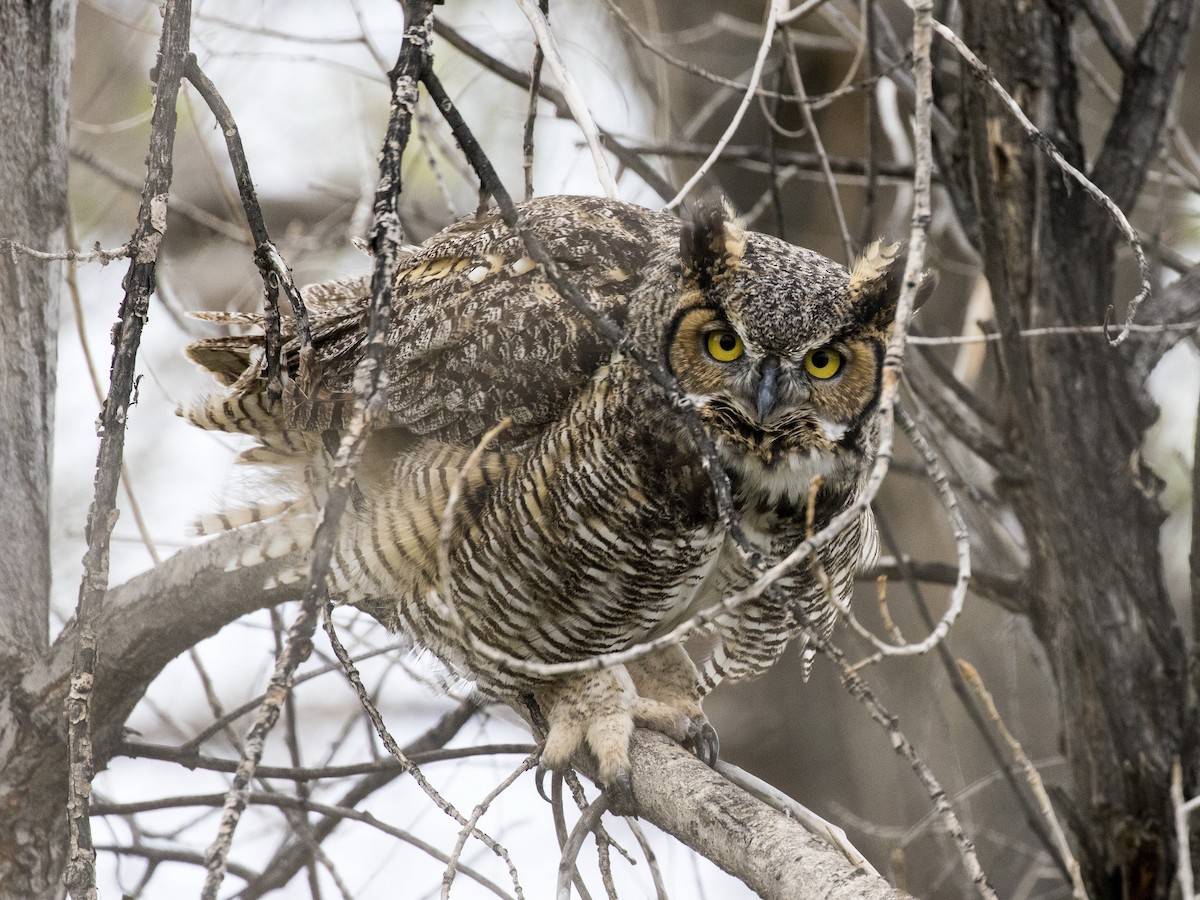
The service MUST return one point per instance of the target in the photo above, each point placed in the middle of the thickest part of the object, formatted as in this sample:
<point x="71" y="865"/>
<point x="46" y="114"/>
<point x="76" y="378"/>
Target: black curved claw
<point x="620" y="794"/>
<point x="705" y="744"/>
<point x="539" y="778"/>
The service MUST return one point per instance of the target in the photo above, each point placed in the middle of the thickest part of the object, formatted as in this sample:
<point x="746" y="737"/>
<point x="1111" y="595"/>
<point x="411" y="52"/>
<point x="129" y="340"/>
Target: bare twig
<point x="80" y="874"/>
<point x="639" y="834"/>
<point x="571" y="92"/>
<point x="1051" y="331"/>
<point x="1032" y="778"/>
<point x="810" y="122"/>
<point x="482" y="807"/>
<point x="1043" y="143"/>
<point x="407" y="764"/>
<point x="535" y="83"/>
<point x="179" y="205"/>
<point x="295" y="650"/>
<point x="632" y="161"/>
<point x="282" y="801"/>
<point x="289" y="859"/>
<point x="71" y="255"/>
<point x="937" y="795"/>
<point x="586" y="824"/>
<point x="167" y="854"/>
<point x="757" y="158"/>
<point x="1182" y="809"/>
<point x="1113" y="32"/>
<point x="560" y="830"/>
<point x="275" y="272"/>
<point x="193" y="760"/>
<point x="776" y="9"/>
<point x="198" y="739"/>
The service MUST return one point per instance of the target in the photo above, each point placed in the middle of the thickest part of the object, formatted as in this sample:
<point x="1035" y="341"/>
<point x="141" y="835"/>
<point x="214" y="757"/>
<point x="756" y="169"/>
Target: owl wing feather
<point x="479" y="334"/>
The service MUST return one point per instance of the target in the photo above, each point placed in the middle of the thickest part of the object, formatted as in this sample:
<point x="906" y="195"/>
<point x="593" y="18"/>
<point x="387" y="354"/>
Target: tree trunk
<point x="1096" y="596"/>
<point x="36" y="46"/>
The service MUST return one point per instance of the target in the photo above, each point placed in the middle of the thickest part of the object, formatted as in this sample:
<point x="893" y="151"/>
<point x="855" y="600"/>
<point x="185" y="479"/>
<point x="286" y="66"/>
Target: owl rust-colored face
<point x="770" y="401"/>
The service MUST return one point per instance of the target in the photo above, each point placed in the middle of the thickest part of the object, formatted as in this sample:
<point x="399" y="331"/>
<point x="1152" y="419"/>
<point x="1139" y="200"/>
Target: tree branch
<point x="771" y="853"/>
<point x="143" y="626"/>
<point x="1151" y="79"/>
<point x="80" y="875"/>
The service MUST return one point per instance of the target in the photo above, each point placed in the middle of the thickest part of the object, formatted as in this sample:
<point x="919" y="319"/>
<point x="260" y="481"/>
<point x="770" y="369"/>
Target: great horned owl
<point x="589" y="524"/>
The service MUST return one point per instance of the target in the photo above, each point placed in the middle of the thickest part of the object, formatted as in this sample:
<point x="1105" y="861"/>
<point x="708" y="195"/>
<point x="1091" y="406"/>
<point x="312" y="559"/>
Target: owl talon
<point x="539" y="779"/>
<point x="619" y="790"/>
<point x="702" y="740"/>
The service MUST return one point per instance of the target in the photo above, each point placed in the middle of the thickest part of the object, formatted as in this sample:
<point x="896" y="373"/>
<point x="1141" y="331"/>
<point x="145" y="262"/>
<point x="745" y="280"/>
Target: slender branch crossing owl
<point x="589" y="524"/>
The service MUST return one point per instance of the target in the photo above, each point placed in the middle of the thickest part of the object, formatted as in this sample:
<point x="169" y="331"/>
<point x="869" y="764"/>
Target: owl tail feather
<point x="249" y="413"/>
<point x="231" y="519"/>
<point x="283" y="537"/>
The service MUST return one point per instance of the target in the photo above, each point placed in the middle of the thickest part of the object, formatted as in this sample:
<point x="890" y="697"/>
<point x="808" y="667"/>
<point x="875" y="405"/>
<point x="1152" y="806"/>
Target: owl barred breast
<point x="588" y="524"/>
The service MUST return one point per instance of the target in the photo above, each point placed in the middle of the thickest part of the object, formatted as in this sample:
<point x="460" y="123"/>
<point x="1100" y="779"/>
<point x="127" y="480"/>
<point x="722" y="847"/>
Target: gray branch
<point x="151" y="619"/>
<point x="767" y="850"/>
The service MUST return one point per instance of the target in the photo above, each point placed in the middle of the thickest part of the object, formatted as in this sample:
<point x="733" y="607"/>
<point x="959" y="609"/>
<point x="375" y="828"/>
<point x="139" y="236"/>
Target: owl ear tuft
<point x="876" y="280"/>
<point x="711" y="243"/>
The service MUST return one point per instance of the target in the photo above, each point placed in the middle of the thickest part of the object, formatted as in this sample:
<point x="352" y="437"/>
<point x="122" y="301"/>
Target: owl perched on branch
<point x="588" y="523"/>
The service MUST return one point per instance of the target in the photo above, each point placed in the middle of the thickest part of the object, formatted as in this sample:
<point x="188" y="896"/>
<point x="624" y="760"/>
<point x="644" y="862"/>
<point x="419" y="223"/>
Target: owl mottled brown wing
<point x="478" y="334"/>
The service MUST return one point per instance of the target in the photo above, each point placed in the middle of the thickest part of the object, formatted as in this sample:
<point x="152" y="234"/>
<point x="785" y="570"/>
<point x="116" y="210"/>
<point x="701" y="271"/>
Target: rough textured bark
<point x="1096" y="598"/>
<point x="770" y="852"/>
<point x="36" y="44"/>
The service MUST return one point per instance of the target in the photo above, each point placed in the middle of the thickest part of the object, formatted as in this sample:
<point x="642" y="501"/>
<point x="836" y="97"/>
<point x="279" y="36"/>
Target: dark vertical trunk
<point x="36" y="42"/>
<point x="1097" y="599"/>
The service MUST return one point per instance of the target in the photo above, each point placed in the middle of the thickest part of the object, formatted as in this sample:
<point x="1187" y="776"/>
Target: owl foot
<point x="619" y="792"/>
<point x="687" y="726"/>
<point x="592" y="712"/>
<point x="669" y="701"/>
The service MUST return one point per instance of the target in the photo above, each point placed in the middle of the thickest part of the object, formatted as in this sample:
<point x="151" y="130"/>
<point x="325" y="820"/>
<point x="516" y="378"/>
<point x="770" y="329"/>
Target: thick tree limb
<point x="768" y="851"/>
<point x="151" y="619"/>
<point x="142" y="626"/>
<point x="35" y="63"/>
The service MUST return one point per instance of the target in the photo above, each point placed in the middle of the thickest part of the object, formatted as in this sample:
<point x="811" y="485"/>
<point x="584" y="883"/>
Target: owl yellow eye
<point x="824" y="362"/>
<point x="724" y="346"/>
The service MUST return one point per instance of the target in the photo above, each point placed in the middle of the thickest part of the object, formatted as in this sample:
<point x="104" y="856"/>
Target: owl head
<point x="781" y="350"/>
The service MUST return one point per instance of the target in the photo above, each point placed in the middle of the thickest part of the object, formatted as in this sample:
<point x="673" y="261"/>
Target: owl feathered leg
<point x="598" y="710"/>
<point x="594" y="709"/>
<point x="668" y="701"/>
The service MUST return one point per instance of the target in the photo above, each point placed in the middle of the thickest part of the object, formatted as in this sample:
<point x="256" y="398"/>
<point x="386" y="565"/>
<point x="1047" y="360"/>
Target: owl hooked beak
<point x="767" y="386"/>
